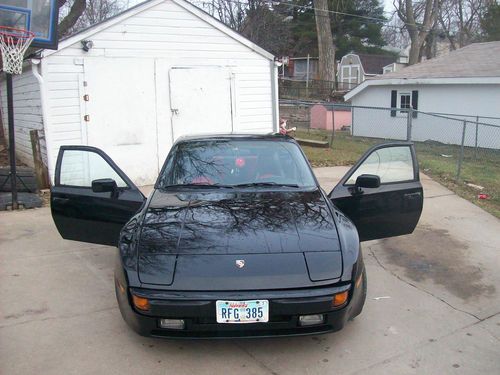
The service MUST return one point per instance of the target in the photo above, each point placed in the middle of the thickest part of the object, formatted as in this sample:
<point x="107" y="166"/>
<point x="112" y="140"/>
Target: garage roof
<point x="474" y="60"/>
<point x="374" y="64"/>
<point x="475" y="63"/>
<point x="88" y="32"/>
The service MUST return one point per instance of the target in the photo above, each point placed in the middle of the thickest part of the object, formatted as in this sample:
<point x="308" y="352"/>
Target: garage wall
<point x="27" y="112"/>
<point x="170" y="36"/>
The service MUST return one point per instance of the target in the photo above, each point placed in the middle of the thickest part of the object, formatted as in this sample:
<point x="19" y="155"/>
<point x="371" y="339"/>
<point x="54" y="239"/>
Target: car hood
<point x="189" y="239"/>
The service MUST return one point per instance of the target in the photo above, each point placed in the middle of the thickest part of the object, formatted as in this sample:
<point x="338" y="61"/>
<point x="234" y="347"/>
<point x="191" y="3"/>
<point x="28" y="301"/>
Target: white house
<point x="157" y="71"/>
<point x="464" y="83"/>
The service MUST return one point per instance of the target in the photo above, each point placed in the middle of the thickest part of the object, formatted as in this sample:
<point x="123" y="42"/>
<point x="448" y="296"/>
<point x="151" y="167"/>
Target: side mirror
<point x="104" y="185"/>
<point x="370" y="181"/>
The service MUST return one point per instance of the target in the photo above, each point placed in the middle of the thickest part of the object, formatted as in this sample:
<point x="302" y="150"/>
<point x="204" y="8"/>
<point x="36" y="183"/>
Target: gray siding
<point x="27" y="112"/>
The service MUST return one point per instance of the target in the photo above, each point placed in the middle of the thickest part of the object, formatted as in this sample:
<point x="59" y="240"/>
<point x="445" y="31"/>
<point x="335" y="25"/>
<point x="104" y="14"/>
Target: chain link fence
<point x="312" y="89"/>
<point x="456" y="146"/>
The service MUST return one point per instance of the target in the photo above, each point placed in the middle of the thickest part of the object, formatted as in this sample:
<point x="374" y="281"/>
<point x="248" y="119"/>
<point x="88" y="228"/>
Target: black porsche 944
<point x="237" y="238"/>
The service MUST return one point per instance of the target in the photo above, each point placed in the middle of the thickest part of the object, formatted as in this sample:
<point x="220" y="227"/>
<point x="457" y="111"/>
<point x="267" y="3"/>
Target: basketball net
<point x="13" y="45"/>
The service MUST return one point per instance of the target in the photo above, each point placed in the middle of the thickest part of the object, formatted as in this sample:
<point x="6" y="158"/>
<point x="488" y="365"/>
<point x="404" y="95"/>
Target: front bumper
<point x="198" y="311"/>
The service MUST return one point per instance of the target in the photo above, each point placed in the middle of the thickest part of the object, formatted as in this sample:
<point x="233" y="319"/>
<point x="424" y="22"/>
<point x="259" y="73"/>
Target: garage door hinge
<point x="86" y="118"/>
<point x="86" y="97"/>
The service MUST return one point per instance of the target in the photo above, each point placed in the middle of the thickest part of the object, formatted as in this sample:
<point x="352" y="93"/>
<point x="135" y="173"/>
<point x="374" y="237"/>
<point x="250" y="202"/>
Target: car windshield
<point x="236" y="163"/>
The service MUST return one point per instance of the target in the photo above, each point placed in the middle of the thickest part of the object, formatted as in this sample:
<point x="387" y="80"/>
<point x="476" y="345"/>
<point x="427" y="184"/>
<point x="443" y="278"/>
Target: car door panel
<point x="81" y="214"/>
<point x="392" y="209"/>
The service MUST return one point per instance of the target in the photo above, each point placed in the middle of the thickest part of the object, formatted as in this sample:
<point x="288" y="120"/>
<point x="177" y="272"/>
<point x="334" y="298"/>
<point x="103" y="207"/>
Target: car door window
<point x="391" y="164"/>
<point x="80" y="168"/>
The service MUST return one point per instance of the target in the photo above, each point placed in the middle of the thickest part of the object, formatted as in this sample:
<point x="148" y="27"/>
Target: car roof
<point x="233" y="136"/>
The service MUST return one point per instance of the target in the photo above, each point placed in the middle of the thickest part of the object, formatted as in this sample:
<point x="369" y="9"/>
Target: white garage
<point x="135" y="83"/>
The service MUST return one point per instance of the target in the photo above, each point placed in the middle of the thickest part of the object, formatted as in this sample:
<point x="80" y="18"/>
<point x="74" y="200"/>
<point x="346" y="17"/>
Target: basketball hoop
<point x="13" y="44"/>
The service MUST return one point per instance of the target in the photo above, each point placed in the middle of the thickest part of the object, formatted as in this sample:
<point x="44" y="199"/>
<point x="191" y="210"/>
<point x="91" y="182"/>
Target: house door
<point x="200" y="101"/>
<point x="121" y="111"/>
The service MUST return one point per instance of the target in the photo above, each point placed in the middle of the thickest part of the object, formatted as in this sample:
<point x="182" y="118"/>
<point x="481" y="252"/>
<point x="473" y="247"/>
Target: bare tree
<point x="98" y="11"/>
<point x="419" y="18"/>
<point x="460" y="20"/>
<point x="267" y="27"/>
<point x="231" y="13"/>
<point x="259" y="20"/>
<point x="73" y="10"/>
<point x="395" y="34"/>
<point x="79" y="14"/>
<point x="325" y="41"/>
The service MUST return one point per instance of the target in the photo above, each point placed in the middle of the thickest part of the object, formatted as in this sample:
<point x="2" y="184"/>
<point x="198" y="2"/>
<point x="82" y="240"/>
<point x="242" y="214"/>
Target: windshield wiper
<point x="198" y="186"/>
<point x="264" y="184"/>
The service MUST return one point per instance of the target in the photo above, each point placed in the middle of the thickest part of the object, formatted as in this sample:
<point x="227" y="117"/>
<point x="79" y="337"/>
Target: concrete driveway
<point x="433" y="306"/>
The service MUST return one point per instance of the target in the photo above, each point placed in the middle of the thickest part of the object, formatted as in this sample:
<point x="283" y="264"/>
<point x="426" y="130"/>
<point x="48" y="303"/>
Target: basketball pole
<point x="12" y="141"/>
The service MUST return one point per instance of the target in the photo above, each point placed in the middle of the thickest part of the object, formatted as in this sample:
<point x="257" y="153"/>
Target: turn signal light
<point x="340" y="298"/>
<point x="140" y="303"/>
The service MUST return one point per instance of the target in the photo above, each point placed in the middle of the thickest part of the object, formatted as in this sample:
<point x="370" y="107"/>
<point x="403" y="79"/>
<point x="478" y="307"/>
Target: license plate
<point x="238" y="312"/>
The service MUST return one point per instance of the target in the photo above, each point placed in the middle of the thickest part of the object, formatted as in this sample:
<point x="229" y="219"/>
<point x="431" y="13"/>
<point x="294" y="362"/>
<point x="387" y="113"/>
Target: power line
<point x="306" y="7"/>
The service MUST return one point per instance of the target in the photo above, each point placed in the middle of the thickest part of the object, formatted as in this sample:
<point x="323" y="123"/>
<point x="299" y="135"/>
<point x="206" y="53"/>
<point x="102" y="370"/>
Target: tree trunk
<point x="417" y="31"/>
<point x="75" y="12"/>
<point x="325" y="42"/>
<point x="414" y="50"/>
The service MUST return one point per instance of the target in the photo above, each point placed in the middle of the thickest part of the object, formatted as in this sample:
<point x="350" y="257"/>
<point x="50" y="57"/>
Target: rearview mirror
<point x="370" y="181"/>
<point x="104" y="185"/>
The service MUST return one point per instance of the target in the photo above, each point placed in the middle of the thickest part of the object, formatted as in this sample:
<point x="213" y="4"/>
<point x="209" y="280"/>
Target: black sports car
<point x="237" y="239"/>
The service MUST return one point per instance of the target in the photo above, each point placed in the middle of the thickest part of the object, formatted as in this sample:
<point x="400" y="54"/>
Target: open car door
<point x="92" y="198"/>
<point x="382" y="193"/>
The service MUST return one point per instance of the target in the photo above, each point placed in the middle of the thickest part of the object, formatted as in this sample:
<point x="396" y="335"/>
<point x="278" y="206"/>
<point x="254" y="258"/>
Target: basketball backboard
<point x="38" y="16"/>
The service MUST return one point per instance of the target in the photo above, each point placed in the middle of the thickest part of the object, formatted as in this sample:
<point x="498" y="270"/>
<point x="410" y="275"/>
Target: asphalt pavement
<point x="433" y="306"/>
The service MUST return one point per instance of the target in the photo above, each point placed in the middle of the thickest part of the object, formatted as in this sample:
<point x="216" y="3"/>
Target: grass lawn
<point x="436" y="160"/>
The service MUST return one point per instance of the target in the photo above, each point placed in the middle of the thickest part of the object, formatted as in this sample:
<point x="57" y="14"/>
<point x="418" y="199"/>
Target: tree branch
<point x="74" y="14"/>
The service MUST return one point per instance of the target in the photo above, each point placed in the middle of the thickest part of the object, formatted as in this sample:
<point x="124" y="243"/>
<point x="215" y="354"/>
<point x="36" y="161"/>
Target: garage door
<point x="200" y="100"/>
<point x="122" y="114"/>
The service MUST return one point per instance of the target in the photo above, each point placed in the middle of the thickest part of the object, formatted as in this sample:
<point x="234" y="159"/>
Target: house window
<point x="405" y="100"/>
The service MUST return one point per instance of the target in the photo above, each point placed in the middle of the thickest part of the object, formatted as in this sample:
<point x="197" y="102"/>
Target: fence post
<point x="307" y="77"/>
<point x="352" y="121"/>
<point x="409" y="116"/>
<point x="333" y="125"/>
<point x="461" y="156"/>
<point x="477" y="130"/>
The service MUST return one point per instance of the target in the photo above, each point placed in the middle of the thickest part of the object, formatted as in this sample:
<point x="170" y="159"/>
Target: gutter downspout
<point x="35" y="63"/>
<point x="275" y="96"/>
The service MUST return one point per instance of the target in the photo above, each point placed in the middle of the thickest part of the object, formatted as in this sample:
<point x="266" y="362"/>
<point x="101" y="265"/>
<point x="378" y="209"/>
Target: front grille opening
<point x="272" y="319"/>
